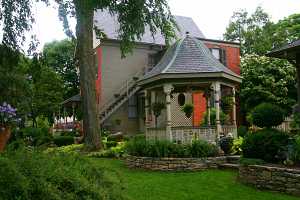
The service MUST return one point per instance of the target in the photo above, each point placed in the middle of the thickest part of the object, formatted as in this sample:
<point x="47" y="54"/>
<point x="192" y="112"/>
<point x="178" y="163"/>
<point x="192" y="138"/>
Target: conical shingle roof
<point x="188" y="56"/>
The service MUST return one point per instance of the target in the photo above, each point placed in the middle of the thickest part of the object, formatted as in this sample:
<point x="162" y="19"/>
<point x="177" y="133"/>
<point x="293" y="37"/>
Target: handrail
<point x="126" y="85"/>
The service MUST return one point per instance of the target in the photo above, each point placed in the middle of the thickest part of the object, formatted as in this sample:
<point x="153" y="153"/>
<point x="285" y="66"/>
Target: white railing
<point x="229" y="129"/>
<point x="183" y="134"/>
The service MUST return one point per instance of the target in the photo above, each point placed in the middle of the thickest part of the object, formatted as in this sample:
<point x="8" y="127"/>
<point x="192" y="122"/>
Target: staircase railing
<point x="128" y="88"/>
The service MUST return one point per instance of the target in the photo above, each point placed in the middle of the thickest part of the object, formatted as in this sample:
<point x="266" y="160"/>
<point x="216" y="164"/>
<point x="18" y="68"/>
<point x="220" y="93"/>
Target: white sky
<point x="211" y="16"/>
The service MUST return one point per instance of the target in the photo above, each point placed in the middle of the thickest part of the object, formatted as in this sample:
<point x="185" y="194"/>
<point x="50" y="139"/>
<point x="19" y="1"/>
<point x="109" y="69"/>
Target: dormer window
<point x="219" y="54"/>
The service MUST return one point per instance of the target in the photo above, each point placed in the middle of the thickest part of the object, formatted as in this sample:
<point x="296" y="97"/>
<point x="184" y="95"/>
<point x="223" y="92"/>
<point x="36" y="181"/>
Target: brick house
<point x="120" y="96"/>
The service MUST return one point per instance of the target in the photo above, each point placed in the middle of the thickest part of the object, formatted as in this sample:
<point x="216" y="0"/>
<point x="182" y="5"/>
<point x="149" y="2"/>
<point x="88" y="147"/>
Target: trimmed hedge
<point x="63" y="140"/>
<point x="141" y="147"/>
<point x="267" y="115"/>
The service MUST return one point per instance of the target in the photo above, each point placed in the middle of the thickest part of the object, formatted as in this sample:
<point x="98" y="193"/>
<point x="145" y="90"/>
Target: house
<point x="121" y="82"/>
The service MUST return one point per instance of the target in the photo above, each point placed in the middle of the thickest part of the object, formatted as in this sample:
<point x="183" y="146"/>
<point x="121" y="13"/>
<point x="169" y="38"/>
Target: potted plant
<point x="188" y="109"/>
<point x="226" y="104"/>
<point x="7" y="119"/>
<point x="156" y="108"/>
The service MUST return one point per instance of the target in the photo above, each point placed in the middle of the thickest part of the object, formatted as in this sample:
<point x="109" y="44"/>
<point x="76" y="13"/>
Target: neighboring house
<point x="121" y="100"/>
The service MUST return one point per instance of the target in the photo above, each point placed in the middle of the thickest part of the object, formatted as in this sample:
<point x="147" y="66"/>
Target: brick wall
<point x="232" y="55"/>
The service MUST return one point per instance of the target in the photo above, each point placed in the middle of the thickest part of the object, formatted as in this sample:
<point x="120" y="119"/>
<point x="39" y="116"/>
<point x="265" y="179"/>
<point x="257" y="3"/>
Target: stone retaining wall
<point x="271" y="178"/>
<point x="174" y="164"/>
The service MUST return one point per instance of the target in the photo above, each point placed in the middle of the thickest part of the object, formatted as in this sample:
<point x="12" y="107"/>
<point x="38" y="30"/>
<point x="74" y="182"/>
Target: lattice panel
<point x="178" y="116"/>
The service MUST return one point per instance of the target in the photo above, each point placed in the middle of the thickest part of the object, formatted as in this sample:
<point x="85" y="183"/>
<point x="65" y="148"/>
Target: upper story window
<point x="219" y="54"/>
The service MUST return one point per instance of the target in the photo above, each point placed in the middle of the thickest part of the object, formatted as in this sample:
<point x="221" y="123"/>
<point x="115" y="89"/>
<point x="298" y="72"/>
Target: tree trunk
<point x="85" y="59"/>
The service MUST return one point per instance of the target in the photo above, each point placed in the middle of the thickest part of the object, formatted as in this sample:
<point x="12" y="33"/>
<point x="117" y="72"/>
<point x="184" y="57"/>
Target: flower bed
<point x="174" y="164"/>
<point x="272" y="178"/>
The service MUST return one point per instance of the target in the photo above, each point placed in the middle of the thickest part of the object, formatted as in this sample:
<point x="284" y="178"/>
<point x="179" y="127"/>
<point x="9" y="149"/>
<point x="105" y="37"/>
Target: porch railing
<point x="186" y="134"/>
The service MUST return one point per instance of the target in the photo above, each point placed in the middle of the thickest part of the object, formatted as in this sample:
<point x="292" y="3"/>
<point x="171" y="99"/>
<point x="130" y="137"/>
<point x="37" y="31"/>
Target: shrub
<point x="113" y="152"/>
<point x="236" y="148"/>
<point x="267" y="115"/>
<point x="242" y="131"/>
<point x="63" y="140"/>
<point x="35" y="136"/>
<point x="223" y="117"/>
<point x="226" y="144"/>
<point x="200" y="148"/>
<point x="73" y="149"/>
<point x="32" y="175"/>
<point x="267" y="144"/>
<point x="141" y="147"/>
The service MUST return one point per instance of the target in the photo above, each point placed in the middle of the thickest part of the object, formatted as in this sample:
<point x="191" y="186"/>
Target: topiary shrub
<point x="226" y="144"/>
<point x="267" y="144"/>
<point x="267" y="115"/>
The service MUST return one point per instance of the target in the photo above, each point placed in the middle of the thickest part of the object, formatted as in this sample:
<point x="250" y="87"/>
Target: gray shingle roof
<point x="110" y="25"/>
<point x="188" y="55"/>
<point x="288" y="51"/>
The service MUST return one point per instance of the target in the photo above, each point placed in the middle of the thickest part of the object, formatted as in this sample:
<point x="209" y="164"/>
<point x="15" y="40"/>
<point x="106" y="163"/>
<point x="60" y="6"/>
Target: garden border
<point x="174" y="164"/>
<point x="273" y="178"/>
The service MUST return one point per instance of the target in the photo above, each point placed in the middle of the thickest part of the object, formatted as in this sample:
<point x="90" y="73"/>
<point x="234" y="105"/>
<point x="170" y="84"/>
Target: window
<point x="219" y="54"/>
<point x="132" y="107"/>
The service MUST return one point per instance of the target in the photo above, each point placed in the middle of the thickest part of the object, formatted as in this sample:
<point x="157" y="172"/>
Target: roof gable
<point x="110" y="25"/>
<point x="188" y="55"/>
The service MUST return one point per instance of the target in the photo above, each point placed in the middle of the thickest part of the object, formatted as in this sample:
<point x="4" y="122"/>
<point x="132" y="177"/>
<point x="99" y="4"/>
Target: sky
<point x="211" y="16"/>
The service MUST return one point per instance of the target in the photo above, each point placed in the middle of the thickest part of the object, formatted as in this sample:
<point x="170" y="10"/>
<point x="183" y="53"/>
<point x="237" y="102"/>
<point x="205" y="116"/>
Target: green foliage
<point x="242" y="131"/>
<point x="158" y="148"/>
<point x="295" y="124"/>
<point x="267" y="115"/>
<point x="267" y="144"/>
<point x="63" y="140"/>
<point x="267" y="80"/>
<point x="226" y="104"/>
<point x="188" y="109"/>
<point x="117" y="151"/>
<point x="32" y="175"/>
<point x="223" y="117"/>
<point x="236" y="148"/>
<point x="253" y="31"/>
<point x="35" y="136"/>
<point x="226" y="144"/>
<point x="251" y="161"/>
<point x="59" y="56"/>
<point x="157" y="107"/>
<point x="73" y="149"/>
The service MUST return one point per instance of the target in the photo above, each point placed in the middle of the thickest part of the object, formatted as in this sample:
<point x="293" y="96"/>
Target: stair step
<point x="229" y="166"/>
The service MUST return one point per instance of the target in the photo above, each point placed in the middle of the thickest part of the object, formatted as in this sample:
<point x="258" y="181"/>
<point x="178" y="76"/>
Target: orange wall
<point x="199" y="102"/>
<point x="232" y="56"/>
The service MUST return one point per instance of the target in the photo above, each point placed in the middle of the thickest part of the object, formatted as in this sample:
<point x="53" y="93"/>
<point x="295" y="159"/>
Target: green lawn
<point x="205" y="185"/>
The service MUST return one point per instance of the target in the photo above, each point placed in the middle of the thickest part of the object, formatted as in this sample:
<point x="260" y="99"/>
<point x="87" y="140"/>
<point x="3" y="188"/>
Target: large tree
<point x="267" y="80"/>
<point x="59" y="55"/>
<point x="133" y="16"/>
<point x="253" y="31"/>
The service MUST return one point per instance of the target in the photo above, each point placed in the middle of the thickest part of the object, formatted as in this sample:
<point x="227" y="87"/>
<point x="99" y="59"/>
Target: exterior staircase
<point x="128" y="89"/>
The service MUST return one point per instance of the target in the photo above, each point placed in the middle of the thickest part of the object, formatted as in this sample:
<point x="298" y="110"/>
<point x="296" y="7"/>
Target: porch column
<point x="146" y="111"/>
<point x="168" y="88"/>
<point x="208" y="110"/>
<point x="217" y="93"/>
<point x="73" y="113"/>
<point x="153" y="122"/>
<point x="233" y="107"/>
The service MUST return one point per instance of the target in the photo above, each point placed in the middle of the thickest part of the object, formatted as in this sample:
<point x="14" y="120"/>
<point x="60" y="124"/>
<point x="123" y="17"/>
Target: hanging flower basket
<point x="188" y="109"/>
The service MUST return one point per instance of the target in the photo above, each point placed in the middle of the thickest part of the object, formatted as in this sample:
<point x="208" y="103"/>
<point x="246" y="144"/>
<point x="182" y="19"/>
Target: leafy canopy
<point x="267" y="80"/>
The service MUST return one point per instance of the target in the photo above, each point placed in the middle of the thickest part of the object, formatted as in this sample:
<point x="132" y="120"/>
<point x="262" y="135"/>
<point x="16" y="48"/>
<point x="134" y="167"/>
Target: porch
<point x="188" y="74"/>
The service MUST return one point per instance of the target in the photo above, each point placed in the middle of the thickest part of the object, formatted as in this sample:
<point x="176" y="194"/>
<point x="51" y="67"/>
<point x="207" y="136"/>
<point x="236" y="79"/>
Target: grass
<point x="204" y="185"/>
